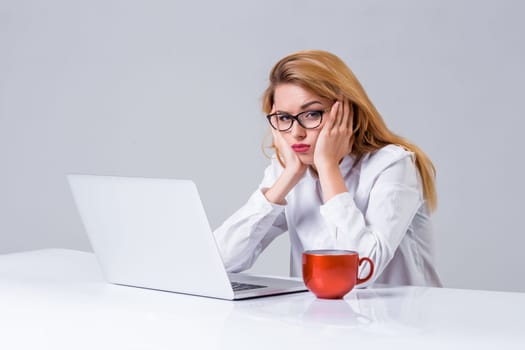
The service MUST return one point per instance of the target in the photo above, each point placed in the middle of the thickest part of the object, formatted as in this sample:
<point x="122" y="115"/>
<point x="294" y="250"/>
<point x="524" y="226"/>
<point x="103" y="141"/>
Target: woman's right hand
<point x="293" y="165"/>
<point x="293" y="171"/>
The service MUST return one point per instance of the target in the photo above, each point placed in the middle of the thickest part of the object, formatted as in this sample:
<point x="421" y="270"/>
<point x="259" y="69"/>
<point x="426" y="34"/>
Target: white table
<point x="57" y="299"/>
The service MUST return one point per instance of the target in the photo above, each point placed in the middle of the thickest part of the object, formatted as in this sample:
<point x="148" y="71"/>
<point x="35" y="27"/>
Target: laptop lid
<point x="154" y="233"/>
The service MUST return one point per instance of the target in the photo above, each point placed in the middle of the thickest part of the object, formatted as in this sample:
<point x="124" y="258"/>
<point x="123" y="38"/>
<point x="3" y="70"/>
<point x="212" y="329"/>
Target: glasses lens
<point x="281" y="121"/>
<point x="311" y="119"/>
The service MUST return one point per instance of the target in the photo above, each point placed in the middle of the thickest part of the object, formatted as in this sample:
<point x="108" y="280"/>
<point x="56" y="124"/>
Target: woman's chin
<point x="306" y="159"/>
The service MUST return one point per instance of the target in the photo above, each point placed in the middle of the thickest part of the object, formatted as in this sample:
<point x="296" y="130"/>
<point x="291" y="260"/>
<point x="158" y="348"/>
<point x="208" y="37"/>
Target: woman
<point x="340" y="179"/>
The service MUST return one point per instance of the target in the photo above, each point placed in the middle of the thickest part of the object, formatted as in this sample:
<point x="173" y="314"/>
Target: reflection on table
<point x="58" y="299"/>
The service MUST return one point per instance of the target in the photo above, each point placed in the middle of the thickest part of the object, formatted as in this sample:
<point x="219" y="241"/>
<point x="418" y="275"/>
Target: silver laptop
<point x="154" y="233"/>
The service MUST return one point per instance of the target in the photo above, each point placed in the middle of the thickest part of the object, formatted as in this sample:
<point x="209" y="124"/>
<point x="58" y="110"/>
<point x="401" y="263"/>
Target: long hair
<point x="327" y="76"/>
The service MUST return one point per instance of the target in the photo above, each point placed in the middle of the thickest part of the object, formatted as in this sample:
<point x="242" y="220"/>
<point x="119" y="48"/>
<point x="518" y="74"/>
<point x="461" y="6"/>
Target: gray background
<point x="172" y="89"/>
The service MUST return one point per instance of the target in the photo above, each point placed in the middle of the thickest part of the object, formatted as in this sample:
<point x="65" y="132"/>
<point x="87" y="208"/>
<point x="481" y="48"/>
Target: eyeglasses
<point x="307" y="119"/>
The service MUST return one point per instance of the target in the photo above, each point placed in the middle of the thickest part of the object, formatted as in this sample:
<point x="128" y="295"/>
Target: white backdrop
<point x="172" y="89"/>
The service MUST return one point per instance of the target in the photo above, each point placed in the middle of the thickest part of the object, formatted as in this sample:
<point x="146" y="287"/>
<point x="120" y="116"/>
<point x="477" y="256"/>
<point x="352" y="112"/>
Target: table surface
<point x="57" y="299"/>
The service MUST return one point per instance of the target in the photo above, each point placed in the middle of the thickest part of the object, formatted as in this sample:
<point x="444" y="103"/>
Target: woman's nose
<point x="298" y="131"/>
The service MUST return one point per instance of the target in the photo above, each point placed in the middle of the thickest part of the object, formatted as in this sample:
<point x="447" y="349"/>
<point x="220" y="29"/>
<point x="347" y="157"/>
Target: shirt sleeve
<point x="244" y="235"/>
<point x="394" y="199"/>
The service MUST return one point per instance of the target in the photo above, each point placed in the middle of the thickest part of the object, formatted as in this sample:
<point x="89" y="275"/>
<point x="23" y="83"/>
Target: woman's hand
<point x="335" y="139"/>
<point x="293" y="171"/>
<point x="334" y="142"/>
<point x="293" y="165"/>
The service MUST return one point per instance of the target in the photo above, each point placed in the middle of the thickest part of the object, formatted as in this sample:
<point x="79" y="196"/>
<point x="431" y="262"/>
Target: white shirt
<point x="382" y="216"/>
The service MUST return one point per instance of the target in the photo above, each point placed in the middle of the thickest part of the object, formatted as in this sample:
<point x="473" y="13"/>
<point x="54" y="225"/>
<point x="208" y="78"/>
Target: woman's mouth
<point x="300" y="147"/>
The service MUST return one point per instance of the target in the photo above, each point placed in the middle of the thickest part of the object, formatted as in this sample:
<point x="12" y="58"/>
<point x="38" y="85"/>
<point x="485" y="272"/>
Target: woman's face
<point x="292" y="99"/>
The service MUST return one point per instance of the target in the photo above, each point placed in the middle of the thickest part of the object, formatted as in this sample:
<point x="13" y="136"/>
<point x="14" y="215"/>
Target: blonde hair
<point x="326" y="75"/>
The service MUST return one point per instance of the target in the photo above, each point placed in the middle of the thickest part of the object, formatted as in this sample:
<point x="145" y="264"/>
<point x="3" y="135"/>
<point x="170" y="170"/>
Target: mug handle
<point x="371" y="263"/>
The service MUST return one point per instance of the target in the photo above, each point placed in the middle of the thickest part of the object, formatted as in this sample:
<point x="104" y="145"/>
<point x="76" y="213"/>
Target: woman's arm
<point x="334" y="142"/>
<point x="245" y="234"/>
<point x="394" y="197"/>
<point x="393" y="201"/>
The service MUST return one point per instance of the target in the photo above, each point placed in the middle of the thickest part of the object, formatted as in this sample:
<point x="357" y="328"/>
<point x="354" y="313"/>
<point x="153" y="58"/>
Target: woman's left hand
<point x="336" y="138"/>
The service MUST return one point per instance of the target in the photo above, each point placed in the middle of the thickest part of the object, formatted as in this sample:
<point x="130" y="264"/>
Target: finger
<point x="275" y="135"/>
<point x="350" y="116"/>
<point x="330" y="121"/>
<point x="278" y="147"/>
<point x="344" y="115"/>
<point x="337" y="115"/>
<point x="281" y="144"/>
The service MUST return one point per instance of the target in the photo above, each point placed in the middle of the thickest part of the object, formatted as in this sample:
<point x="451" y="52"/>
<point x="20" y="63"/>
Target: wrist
<point x="292" y="175"/>
<point x="283" y="185"/>
<point x="332" y="181"/>
<point x="327" y="167"/>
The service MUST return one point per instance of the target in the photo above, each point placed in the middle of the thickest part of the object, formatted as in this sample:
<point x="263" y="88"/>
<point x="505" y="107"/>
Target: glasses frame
<point x="296" y="118"/>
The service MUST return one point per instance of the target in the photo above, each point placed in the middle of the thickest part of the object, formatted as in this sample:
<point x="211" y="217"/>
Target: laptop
<point x="154" y="233"/>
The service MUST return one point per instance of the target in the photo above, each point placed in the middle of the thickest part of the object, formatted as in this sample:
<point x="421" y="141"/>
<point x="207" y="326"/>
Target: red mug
<point x="332" y="273"/>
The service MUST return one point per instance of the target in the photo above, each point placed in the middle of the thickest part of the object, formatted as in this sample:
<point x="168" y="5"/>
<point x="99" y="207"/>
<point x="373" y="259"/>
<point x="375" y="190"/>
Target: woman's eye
<point x="283" y="118"/>
<point x="313" y="115"/>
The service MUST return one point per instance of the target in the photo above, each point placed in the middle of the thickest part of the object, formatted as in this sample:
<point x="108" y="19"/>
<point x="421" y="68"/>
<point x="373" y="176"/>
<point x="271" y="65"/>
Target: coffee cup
<point x="333" y="273"/>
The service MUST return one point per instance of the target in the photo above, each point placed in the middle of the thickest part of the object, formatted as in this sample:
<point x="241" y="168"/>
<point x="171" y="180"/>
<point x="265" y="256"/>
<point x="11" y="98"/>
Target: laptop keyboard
<point x="238" y="286"/>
